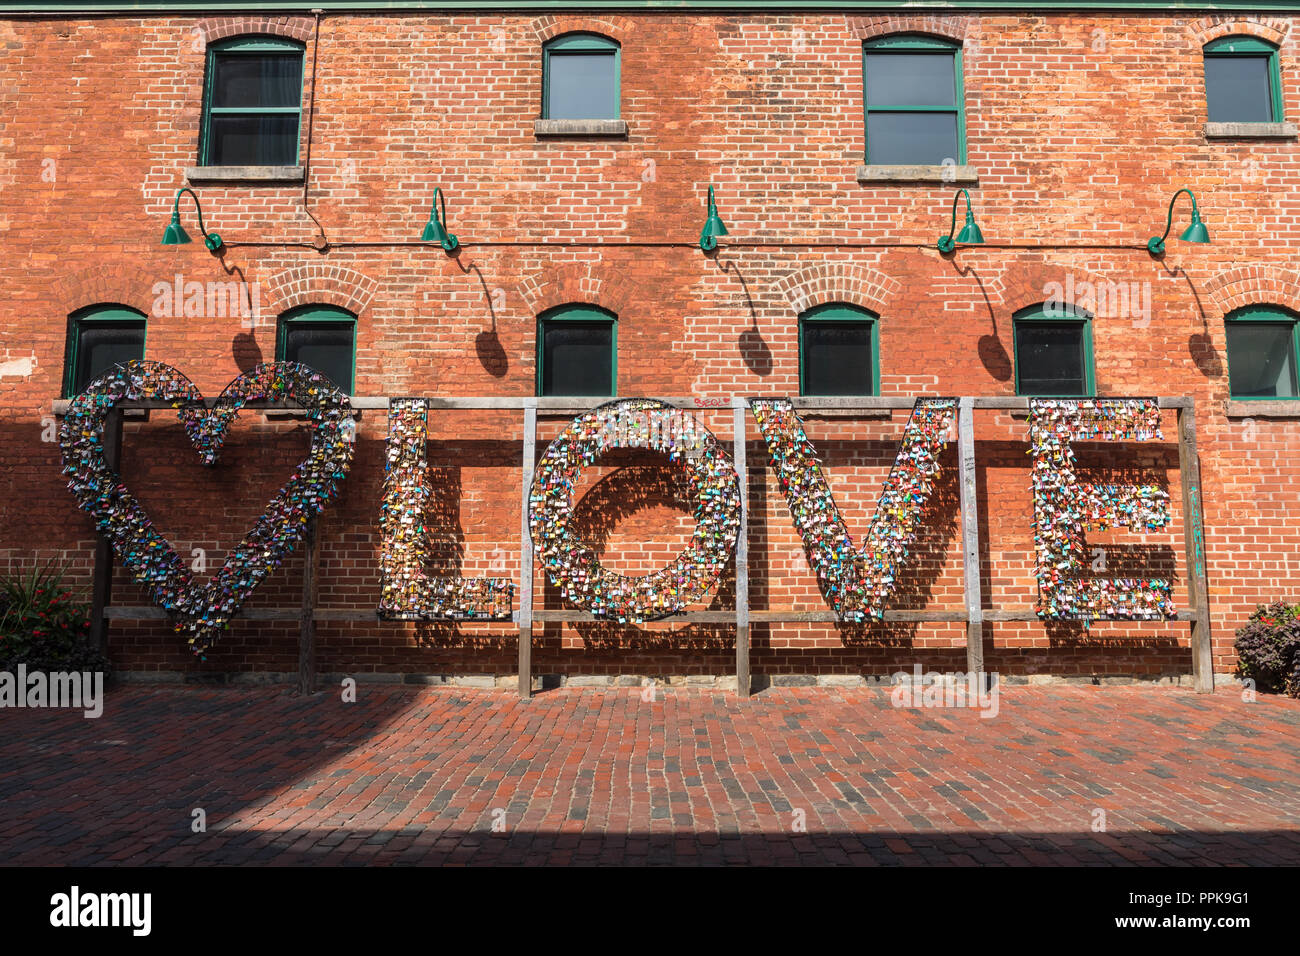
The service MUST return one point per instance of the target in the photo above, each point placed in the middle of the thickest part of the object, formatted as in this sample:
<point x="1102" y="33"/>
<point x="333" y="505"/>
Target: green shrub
<point x="1268" y="648"/>
<point x="44" y="625"/>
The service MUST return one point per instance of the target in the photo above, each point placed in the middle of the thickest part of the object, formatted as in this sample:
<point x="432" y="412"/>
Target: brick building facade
<point x="1079" y="126"/>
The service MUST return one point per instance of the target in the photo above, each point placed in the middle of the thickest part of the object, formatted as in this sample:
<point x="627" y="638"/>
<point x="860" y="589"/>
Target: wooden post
<point x="742" y="553"/>
<point x="970" y="536"/>
<point x="101" y="592"/>
<point x="526" y="555"/>
<point x="307" y="616"/>
<point x="1189" y="470"/>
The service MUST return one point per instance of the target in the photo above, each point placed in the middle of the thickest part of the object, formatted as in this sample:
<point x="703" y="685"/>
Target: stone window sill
<point x="1250" y="130"/>
<point x="244" y="174"/>
<point x="580" y="127"/>
<point x="947" y="175"/>
<point x="1263" y="408"/>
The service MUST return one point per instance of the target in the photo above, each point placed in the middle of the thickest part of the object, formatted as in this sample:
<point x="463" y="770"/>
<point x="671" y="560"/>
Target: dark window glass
<point x="326" y="347"/>
<point x="254" y="102"/>
<point x="101" y="345"/>
<point x="911" y="138"/>
<point x="1237" y="89"/>
<point x="1050" y="358"/>
<point x="582" y="86"/>
<point x="577" y="358"/>
<point x="257" y="80"/>
<point x="267" y="140"/>
<point x="910" y="79"/>
<point x="1261" y="359"/>
<point x="837" y="358"/>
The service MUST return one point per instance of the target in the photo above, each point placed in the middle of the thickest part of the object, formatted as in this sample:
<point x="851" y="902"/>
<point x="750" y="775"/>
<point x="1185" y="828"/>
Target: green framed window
<point x="1243" y="83"/>
<point x="577" y="351"/>
<point x="912" y="91"/>
<point x="321" y="337"/>
<point x="100" y="337"/>
<point x="1053" y="352"/>
<point x="580" y="77"/>
<point x="252" y="102"/>
<point x="1263" y="352"/>
<point x="839" y="351"/>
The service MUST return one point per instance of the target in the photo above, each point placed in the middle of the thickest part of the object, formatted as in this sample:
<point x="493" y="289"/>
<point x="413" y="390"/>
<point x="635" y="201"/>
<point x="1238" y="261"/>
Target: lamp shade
<point x="1196" y="232"/>
<point x="435" y="230"/>
<point x="175" y="234"/>
<point x="970" y="233"/>
<point x="713" y="226"/>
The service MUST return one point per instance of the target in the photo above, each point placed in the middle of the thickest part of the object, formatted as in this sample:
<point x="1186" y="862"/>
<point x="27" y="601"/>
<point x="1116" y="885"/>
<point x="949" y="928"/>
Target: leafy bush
<point x="1268" y="648"/>
<point x="44" y="625"/>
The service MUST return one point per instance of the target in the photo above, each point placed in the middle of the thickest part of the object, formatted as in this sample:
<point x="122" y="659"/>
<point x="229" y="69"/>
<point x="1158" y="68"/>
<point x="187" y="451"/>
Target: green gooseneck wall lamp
<point x="713" y="227"/>
<point x="174" y="235"/>
<point x="436" y="230"/>
<point x="1196" y="232"/>
<point x="970" y="233"/>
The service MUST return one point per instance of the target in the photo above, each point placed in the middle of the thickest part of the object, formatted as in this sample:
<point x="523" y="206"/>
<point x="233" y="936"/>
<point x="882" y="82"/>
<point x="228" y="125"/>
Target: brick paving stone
<point x="795" y="775"/>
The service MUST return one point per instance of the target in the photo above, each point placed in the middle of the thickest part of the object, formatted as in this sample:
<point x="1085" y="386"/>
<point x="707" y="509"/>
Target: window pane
<point x="101" y="346"/>
<point x="925" y="139"/>
<point x="323" y="346"/>
<point x="837" y="358"/>
<point x="254" y="140"/>
<point x="1237" y="89"/>
<point x="582" y="86"/>
<point x="257" y="80"/>
<point x="910" y="79"/>
<point x="1261" y="360"/>
<point x="1049" y="358"/>
<point x="578" y="358"/>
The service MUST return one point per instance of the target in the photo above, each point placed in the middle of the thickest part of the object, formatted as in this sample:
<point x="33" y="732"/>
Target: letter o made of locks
<point x="714" y="488"/>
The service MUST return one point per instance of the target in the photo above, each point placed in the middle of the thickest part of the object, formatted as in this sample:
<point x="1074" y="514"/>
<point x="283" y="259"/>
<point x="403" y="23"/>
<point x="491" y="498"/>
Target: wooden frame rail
<point x="973" y="614"/>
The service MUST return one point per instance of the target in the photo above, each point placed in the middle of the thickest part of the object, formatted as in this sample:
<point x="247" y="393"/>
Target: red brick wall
<point x="1081" y="128"/>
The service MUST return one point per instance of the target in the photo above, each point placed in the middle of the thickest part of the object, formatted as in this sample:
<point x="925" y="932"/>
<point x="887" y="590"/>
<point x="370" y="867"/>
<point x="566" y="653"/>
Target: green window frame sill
<point x="1262" y="408"/>
<point x="947" y="175"/>
<point x="580" y="127"/>
<point x="245" y="174"/>
<point x="1251" y="130"/>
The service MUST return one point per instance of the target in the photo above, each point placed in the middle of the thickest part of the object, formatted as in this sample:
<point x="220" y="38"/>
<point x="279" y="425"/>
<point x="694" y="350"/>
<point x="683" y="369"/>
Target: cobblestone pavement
<point x="798" y="775"/>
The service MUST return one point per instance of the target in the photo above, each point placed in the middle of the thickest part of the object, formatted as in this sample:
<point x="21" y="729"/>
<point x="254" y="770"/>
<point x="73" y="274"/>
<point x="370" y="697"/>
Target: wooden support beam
<point x="560" y="405"/>
<point x="526" y="554"/>
<point x="1027" y="614"/>
<point x="970" y="537"/>
<point x="742" y="617"/>
<point x="1189" y="473"/>
<point x="742" y="555"/>
<point x="306" y="615"/>
<point x="101" y="588"/>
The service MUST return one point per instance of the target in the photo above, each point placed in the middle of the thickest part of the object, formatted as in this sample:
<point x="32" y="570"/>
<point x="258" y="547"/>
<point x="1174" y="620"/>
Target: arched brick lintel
<point x="212" y="29"/>
<point x="1254" y="285"/>
<point x="952" y="28"/>
<point x="1206" y="29"/>
<point x="320" y="284"/>
<point x="838" y="282"/>
<point x="575" y="283"/>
